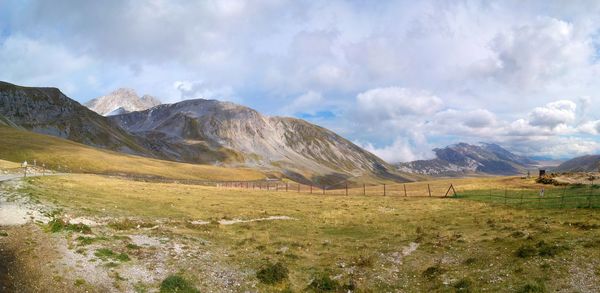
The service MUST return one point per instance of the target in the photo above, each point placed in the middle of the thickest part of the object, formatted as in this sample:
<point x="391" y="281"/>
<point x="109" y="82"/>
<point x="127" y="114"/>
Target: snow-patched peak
<point x="120" y="101"/>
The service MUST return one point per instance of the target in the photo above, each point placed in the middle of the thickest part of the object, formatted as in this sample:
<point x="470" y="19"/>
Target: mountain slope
<point x="589" y="163"/>
<point x="121" y="101"/>
<point x="49" y="111"/>
<point x="300" y="150"/>
<point x="465" y="159"/>
<point x="64" y="155"/>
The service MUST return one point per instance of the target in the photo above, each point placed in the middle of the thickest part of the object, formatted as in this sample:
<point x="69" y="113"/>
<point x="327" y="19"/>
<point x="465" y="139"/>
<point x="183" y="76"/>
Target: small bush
<point x="464" y="285"/>
<point x="433" y="271"/>
<point x="323" y="283"/>
<point x="526" y="251"/>
<point x="545" y="249"/>
<point x="133" y="246"/>
<point x="364" y="261"/>
<point x="532" y="287"/>
<point x="272" y="273"/>
<point x="178" y="284"/>
<point x="3" y="234"/>
<point x="57" y="225"/>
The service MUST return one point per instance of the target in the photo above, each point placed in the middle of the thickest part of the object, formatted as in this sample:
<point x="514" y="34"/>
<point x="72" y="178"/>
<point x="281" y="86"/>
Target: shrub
<point x="526" y="251"/>
<point x="545" y="249"/>
<point x="433" y="271"/>
<point x="532" y="287"/>
<point x="175" y="283"/>
<point x="272" y="273"/>
<point x="323" y="283"/>
<point x="56" y="225"/>
<point x="464" y="285"/>
<point x="3" y="233"/>
<point x="364" y="261"/>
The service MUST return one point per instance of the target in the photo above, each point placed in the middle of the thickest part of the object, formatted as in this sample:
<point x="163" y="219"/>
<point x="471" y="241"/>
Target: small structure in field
<point x="542" y="173"/>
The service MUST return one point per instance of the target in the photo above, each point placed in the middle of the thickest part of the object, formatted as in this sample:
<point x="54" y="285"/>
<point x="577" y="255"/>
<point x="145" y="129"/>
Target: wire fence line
<point x="573" y="196"/>
<point x="406" y="190"/>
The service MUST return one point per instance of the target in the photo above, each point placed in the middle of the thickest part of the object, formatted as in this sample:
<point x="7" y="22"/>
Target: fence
<point x="574" y="196"/>
<point x="405" y="190"/>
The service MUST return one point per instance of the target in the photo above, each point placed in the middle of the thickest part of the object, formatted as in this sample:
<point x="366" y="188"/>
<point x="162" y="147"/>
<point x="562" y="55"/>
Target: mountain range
<point x="464" y="159"/>
<point x="589" y="163"/>
<point x="197" y="131"/>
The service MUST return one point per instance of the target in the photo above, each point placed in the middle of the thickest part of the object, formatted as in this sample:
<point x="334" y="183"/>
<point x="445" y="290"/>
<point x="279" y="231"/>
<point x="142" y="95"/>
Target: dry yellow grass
<point x="8" y="165"/>
<point x="64" y="155"/>
<point x="374" y="243"/>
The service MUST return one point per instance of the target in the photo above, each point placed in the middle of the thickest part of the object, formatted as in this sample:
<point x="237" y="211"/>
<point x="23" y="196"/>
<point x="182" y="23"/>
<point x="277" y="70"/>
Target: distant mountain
<point x="589" y="163"/>
<point x="300" y="150"/>
<point x="49" y="111"/>
<point x="121" y="101"/>
<point x="466" y="159"/>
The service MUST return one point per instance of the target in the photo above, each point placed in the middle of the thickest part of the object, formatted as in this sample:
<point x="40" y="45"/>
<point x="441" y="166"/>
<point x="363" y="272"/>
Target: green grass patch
<point x="178" y="284"/>
<point x="57" y="225"/>
<point x="106" y="254"/>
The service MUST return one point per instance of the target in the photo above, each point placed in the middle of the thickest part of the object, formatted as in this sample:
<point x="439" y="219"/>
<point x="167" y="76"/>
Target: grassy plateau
<point x="167" y="237"/>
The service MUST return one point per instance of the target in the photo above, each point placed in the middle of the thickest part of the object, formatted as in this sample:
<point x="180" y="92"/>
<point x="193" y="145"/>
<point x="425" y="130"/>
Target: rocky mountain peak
<point x="120" y="101"/>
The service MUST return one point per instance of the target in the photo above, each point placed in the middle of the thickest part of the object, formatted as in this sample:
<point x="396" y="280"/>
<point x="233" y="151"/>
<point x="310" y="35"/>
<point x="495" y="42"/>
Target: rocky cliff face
<point x="121" y="101"/>
<point x="49" y="111"/>
<point x="293" y="146"/>
<point x="466" y="159"/>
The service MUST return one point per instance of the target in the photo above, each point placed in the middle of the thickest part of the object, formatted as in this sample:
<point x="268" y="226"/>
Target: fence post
<point x="429" y="190"/>
<point x="286" y="187"/>
<point x="298" y="187"/>
<point x="505" y="195"/>
<point x="590" y="197"/>
<point x="323" y="187"/>
<point x="311" y="189"/>
<point x="364" y="190"/>
<point x="346" y="188"/>
<point x="384" y="190"/>
<point x="405" y="194"/>
<point x="562" y="198"/>
<point x="521" y="204"/>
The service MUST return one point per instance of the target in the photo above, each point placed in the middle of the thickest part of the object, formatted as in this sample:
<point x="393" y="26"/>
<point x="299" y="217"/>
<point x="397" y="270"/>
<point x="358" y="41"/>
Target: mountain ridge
<point x="300" y="149"/>
<point x="465" y="159"/>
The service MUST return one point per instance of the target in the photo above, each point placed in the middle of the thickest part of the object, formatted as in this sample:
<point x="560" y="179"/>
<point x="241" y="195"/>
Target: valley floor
<point x="89" y="233"/>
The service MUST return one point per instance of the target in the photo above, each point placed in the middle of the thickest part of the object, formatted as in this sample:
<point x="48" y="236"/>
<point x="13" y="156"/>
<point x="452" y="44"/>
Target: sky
<point x="399" y="78"/>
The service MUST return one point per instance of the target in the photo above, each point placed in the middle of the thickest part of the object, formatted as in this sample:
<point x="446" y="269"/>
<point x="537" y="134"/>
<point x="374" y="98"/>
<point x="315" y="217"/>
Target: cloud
<point x="200" y="90"/>
<point x="392" y="103"/>
<point x="532" y="54"/>
<point x="553" y="114"/>
<point x="401" y="150"/>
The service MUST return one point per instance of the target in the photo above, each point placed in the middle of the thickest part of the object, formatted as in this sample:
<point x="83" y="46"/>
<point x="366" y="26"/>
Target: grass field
<point x="331" y="243"/>
<point x="67" y="156"/>
<point x="8" y="165"/>
<point x="576" y="196"/>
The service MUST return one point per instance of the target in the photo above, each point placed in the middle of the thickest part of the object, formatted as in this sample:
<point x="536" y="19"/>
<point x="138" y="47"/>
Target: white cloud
<point x="530" y="55"/>
<point x="200" y="90"/>
<point x="392" y="103"/>
<point x="401" y="150"/>
<point x="553" y="114"/>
